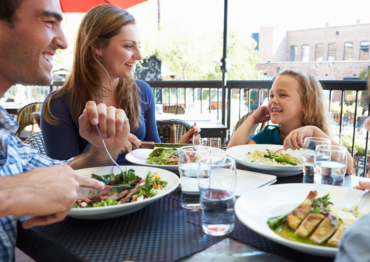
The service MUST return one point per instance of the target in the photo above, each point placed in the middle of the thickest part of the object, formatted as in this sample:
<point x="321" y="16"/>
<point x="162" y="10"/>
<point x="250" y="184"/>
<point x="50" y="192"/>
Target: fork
<point x="106" y="149"/>
<point x="281" y="149"/>
<point x="195" y="133"/>
<point x="353" y="210"/>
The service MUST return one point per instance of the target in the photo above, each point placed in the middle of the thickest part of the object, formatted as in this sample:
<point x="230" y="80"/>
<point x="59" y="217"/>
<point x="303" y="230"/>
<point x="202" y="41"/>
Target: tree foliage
<point x="196" y="56"/>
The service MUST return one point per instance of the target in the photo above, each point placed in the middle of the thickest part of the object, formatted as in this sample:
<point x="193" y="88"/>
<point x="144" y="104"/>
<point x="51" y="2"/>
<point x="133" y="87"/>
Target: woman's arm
<point x="241" y="135"/>
<point x="61" y="140"/>
<point x="295" y="140"/>
<point x="149" y="113"/>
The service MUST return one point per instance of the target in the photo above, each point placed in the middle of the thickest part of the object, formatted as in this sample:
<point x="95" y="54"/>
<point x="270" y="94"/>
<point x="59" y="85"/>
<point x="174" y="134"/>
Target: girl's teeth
<point x="47" y="57"/>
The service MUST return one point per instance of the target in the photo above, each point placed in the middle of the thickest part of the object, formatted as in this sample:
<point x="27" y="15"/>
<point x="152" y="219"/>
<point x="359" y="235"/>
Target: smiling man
<point x="32" y="184"/>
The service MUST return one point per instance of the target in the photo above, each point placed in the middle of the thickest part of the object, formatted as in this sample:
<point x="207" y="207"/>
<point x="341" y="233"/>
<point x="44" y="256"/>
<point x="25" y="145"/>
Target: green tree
<point x="196" y="56"/>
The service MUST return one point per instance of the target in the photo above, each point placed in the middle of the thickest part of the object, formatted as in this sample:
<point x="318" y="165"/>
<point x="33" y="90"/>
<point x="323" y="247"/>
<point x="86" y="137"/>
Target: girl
<point x="107" y="49"/>
<point x="297" y="104"/>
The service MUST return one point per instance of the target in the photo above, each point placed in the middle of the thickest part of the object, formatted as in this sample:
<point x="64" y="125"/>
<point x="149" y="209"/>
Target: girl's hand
<point x="363" y="185"/>
<point x="295" y="139"/>
<point x="261" y="114"/>
<point x="188" y="137"/>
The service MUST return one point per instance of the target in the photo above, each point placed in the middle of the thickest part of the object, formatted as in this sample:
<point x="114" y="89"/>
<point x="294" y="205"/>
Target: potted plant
<point x="335" y="108"/>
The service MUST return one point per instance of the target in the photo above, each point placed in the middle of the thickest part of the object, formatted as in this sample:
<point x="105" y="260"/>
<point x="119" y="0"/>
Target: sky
<point x="244" y="16"/>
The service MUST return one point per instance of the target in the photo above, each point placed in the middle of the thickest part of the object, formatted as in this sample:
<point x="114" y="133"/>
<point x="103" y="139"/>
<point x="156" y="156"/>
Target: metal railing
<point x="205" y="97"/>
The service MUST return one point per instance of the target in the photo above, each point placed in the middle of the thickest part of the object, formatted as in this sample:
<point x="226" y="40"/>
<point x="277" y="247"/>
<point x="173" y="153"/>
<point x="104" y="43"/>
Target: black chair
<point x="256" y="128"/>
<point x="164" y="129"/>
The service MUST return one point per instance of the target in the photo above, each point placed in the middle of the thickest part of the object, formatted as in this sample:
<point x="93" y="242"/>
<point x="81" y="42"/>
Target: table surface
<point x="162" y="231"/>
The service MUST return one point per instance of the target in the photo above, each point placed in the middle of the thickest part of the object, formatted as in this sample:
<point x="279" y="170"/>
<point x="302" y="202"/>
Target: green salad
<point x="164" y="156"/>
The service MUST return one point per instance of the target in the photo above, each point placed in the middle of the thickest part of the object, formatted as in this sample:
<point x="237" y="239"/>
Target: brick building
<point x="330" y="53"/>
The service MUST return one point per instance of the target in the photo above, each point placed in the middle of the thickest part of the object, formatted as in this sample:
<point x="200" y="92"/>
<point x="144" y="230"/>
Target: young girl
<point x="297" y="104"/>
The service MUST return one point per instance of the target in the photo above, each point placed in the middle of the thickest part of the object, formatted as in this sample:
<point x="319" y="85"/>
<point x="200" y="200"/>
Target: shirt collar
<point x="7" y="123"/>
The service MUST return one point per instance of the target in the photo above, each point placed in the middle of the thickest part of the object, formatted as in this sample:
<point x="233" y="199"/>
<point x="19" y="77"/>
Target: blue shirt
<point x="63" y="141"/>
<point x="269" y="135"/>
<point x="15" y="158"/>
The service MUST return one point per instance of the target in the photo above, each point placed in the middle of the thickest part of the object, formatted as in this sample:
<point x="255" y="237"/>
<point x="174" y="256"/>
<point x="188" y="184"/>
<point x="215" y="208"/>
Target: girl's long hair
<point x="316" y="113"/>
<point x="98" y="26"/>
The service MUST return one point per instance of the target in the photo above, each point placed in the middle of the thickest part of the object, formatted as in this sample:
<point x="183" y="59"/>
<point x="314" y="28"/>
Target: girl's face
<point x="285" y="105"/>
<point x="122" y="53"/>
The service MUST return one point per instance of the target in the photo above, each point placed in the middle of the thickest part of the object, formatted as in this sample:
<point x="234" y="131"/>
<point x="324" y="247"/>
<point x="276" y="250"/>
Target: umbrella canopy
<point x="83" y="6"/>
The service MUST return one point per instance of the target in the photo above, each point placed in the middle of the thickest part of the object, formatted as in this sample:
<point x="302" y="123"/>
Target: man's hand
<point x="113" y="125"/>
<point x="47" y="194"/>
<point x="188" y="137"/>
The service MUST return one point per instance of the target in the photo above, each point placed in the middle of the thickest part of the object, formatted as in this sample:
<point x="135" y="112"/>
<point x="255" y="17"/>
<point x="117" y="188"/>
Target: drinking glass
<point x="217" y="183"/>
<point x="309" y="147"/>
<point x="330" y="165"/>
<point x="188" y="169"/>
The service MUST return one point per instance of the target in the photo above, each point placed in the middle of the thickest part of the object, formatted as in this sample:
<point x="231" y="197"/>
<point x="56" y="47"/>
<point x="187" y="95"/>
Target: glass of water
<point x="330" y="165"/>
<point x="217" y="183"/>
<point x="188" y="169"/>
<point x="309" y="147"/>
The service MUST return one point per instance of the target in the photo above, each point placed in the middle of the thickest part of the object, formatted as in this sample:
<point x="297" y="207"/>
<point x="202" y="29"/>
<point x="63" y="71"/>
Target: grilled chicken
<point x="335" y="239"/>
<point x="298" y="214"/>
<point x="325" y="230"/>
<point x="309" y="224"/>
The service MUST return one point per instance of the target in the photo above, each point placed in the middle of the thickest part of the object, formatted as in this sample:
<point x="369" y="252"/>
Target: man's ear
<point x="95" y="45"/>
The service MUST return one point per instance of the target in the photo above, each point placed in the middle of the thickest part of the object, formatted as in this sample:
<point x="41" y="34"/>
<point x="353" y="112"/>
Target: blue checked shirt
<point x="15" y="158"/>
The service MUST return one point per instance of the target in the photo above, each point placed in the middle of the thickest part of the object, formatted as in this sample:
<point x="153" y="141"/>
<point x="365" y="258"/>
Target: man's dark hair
<point x="8" y="9"/>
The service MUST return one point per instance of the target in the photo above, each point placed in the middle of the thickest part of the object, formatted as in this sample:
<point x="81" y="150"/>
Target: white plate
<point x="125" y="209"/>
<point x="140" y="156"/>
<point x="239" y="154"/>
<point x="255" y="207"/>
<point x="246" y="181"/>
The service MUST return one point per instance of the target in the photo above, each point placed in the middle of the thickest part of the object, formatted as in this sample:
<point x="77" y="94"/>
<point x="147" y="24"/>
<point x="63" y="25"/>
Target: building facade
<point x="330" y="53"/>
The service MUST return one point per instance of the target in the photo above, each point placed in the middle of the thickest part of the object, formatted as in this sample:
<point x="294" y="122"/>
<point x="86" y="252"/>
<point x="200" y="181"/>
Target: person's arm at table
<point x="149" y="113"/>
<point x="241" y="135"/>
<point x="114" y="127"/>
<point x="47" y="194"/>
<point x="62" y="141"/>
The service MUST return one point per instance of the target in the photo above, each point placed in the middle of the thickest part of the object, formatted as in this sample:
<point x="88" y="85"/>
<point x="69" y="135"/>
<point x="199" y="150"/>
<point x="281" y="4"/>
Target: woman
<point x="107" y="49"/>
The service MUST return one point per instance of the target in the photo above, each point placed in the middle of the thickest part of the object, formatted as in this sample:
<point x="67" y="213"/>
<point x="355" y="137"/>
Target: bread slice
<point x="309" y="224"/>
<point x="297" y="215"/>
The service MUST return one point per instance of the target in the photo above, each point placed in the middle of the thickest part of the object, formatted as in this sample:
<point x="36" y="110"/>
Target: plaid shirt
<point x="15" y="158"/>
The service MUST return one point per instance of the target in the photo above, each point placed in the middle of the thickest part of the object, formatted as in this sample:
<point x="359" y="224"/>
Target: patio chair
<point x="25" y="117"/>
<point x="256" y="128"/>
<point x="36" y="141"/>
<point x="164" y="130"/>
<point x="176" y="109"/>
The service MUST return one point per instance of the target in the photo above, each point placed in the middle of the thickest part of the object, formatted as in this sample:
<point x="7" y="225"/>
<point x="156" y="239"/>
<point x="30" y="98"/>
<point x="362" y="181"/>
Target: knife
<point x="152" y="145"/>
<point x="86" y="191"/>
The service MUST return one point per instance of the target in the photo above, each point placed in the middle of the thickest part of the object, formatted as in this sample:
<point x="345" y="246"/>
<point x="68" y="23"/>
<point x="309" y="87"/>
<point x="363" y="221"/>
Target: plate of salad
<point x="166" y="158"/>
<point x="124" y="193"/>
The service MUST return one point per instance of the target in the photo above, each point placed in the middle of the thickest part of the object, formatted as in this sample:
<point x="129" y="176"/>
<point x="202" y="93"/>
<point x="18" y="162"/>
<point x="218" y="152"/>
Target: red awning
<point x="83" y="6"/>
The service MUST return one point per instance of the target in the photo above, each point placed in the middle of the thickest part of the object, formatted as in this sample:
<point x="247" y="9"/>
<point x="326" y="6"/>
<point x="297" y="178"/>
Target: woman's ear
<point x="95" y="45"/>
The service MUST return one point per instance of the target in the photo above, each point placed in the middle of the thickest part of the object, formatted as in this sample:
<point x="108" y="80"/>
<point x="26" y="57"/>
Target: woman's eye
<point x="128" y="46"/>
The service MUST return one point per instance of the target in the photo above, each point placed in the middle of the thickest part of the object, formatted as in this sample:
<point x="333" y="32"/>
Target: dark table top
<point x="161" y="231"/>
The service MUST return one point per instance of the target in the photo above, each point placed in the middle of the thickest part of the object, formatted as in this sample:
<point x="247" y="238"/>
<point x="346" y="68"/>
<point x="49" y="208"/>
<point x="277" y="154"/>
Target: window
<point x="364" y="50"/>
<point x="348" y="51"/>
<point x="319" y="52"/>
<point x="293" y="53"/>
<point x="305" y="53"/>
<point x="332" y="52"/>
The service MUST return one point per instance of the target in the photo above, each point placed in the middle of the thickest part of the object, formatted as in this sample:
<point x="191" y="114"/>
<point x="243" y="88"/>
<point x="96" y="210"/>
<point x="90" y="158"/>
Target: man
<point x="30" y="34"/>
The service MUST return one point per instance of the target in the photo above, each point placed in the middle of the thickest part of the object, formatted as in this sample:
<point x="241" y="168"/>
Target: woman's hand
<point x="132" y="143"/>
<point x="295" y="139"/>
<point x="363" y="185"/>
<point x="261" y="114"/>
<point x="188" y="137"/>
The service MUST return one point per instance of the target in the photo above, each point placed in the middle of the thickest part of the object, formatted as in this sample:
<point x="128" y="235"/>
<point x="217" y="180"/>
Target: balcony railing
<point x="204" y="97"/>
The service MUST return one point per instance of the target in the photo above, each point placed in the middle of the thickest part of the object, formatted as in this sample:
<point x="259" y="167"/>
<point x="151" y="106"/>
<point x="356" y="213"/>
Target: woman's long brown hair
<point x="97" y="27"/>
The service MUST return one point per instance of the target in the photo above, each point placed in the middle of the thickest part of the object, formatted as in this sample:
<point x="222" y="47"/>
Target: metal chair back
<point x="164" y="129"/>
<point x="175" y="109"/>
<point x="25" y="117"/>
